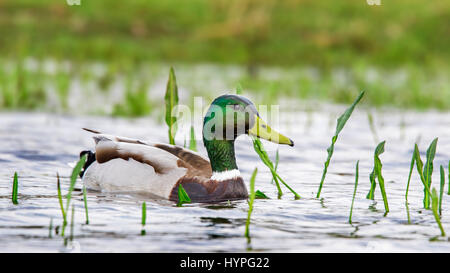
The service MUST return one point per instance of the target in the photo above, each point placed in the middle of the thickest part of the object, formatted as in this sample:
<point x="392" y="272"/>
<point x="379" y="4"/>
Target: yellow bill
<point x="262" y="130"/>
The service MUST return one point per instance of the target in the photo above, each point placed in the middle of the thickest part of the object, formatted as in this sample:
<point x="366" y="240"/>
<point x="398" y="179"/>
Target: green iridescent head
<point x="228" y="117"/>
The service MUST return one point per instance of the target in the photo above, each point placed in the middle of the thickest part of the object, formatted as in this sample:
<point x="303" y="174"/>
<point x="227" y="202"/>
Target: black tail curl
<point x="90" y="159"/>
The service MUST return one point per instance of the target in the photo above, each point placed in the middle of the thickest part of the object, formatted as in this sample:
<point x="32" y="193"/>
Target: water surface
<point x="38" y="146"/>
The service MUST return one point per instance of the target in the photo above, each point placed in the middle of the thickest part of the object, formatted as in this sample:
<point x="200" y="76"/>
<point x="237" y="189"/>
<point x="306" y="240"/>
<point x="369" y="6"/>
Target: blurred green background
<point x="327" y="50"/>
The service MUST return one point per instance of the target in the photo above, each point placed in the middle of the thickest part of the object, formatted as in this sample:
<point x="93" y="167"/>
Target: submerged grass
<point x="340" y="125"/>
<point x="354" y="191"/>
<point x="250" y="205"/>
<point x="15" y="189"/>
<point x="259" y="148"/>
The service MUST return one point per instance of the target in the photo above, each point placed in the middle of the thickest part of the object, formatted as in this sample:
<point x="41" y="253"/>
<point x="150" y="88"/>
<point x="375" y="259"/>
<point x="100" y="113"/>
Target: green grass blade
<point x="193" y="142"/>
<point x="250" y="204"/>
<point x="371" y="194"/>
<point x="441" y="189"/>
<point x="72" y="223"/>
<point x="419" y="163"/>
<point x="378" y="167"/>
<point x="407" y="212"/>
<point x="183" y="197"/>
<point x="73" y="178"/>
<point x="419" y="166"/>
<point x="277" y="159"/>
<point x="259" y="148"/>
<point x="171" y="100"/>
<point x="85" y="205"/>
<point x="354" y="192"/>
<point x="58" y="184"/>
<point x="448" y="192"/>
<point x="411" y="167"/>
<point x="287" y="186"/>
<point x="342" y="120"/>
<point x="260" y="195"/>
<point x="15" y="189"/>
<point x="144" y="217"/>
<point x="428" y="171"/>
<point x="434" y="206"/>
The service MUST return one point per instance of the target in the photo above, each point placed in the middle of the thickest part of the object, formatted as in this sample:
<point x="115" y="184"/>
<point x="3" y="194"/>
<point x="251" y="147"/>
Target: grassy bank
<point x="325" y="50"/>
<point x="250" y="32"/>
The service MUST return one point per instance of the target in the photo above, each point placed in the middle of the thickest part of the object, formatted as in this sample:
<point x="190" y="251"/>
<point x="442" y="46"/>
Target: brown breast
<point x="202" y="190"/>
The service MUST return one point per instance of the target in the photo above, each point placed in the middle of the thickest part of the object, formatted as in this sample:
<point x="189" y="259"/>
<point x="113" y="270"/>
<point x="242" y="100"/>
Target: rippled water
<point x="39" y="145"/>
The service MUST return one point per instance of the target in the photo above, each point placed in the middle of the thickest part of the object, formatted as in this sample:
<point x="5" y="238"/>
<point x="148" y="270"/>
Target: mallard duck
<point x="121" y="164"/>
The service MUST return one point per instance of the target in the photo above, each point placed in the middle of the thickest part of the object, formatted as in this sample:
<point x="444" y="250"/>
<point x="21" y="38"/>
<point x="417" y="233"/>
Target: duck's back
<point x="128" y="165"/>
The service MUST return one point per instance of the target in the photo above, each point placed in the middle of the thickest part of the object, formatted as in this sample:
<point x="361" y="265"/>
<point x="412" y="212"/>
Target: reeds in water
<point x="428" y="171"/>
<point x="354" y="191"/>
<point x="171" y="100"/>
<point x="426" y="181"/>
<point x="441" y="189"/>
<point x="342" y="120"/>
<point x="15" y="189"/>
<point x="144" y="217"/>
<point x="73" y="179"/>
<point x="434" y="206"/>
<point x="377" y="175"/>
<point x="259" y="148"/>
